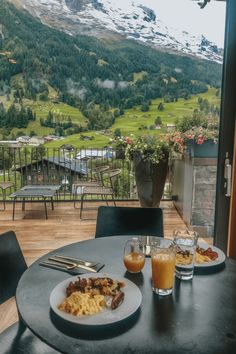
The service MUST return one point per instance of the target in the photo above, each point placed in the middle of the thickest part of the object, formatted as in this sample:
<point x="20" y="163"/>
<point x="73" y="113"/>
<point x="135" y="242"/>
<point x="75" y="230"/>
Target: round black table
<point x="199" y="317"/>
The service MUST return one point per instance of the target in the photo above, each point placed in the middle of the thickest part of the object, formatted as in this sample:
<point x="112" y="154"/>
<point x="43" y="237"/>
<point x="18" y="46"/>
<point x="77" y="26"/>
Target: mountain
<point x="100" y="76"/>
<point x="130" y="19"/>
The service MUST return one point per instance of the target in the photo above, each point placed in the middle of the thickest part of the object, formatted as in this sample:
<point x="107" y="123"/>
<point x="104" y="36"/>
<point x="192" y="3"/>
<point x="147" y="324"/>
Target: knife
<point x="52" y="265"/>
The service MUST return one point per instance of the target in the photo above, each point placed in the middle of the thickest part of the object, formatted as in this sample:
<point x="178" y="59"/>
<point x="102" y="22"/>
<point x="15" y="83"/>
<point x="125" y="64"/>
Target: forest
<point x="100" y="77"/>
<point x="14" y="117"/>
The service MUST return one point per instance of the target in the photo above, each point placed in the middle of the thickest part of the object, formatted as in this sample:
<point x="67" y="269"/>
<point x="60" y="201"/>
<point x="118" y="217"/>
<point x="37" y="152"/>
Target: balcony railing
<point x="39" y="165"/>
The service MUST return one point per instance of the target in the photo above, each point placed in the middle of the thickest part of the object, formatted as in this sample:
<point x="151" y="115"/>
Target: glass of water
<point x="186" y="243"/>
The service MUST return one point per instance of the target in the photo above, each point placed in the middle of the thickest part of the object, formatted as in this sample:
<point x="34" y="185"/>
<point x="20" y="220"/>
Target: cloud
<point x="122" y="84"/>
<point x="37" y="83"/>
<point x="108" y="84"/>
<point x="75" y="89"/>
<point x="178" y="70"/>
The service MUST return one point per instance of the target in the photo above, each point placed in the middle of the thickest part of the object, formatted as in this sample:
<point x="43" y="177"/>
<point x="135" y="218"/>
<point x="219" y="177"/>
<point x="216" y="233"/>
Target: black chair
<point x="113" y="221"/>
<point x="17" y="338"/>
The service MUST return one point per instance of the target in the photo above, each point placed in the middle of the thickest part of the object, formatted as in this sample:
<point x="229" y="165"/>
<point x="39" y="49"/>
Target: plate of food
<point x="95" y="299"/>
<point x="208" y="256"/>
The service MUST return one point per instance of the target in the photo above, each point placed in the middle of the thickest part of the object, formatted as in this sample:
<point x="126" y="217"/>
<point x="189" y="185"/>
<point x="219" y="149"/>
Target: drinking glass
<point x="163" y="265"/>
<point x="134" y="255"/>
<point x="186" y="243"/>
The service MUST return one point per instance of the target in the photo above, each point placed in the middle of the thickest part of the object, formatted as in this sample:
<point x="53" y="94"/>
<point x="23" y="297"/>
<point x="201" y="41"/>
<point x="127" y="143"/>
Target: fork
<point x="58" y="266"/>
<point x="72" y="265"/>
<point x="86" y="263"/>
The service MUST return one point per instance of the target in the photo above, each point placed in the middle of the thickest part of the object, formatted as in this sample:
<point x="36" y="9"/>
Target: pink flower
<point x="190" y="136"/>
<point x="129" y="141"/>
<point x="200" y="140"/>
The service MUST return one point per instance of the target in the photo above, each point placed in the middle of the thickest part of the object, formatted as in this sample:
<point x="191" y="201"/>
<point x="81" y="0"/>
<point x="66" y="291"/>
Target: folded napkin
<point x="98" y="267"/>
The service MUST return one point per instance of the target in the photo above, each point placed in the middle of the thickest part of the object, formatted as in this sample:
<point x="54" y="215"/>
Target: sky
<point x="187" y="15"/>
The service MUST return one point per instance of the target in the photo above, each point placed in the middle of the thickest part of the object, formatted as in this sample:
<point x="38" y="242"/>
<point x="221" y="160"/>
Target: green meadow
<point x="41" y="109"/>
<point x="99" y="140"/>
<point x="136" y="122"/>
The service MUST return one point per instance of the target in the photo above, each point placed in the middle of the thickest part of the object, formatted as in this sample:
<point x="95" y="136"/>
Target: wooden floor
<point x="37" y="236"/>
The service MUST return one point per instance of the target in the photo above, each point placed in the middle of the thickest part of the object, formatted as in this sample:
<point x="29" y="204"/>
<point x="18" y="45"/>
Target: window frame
<point x="227" y="127"/>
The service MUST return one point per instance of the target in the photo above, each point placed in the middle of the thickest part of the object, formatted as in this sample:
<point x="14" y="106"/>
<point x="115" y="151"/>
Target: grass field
<point x="41" y="109"/>
<point x="100" y="140"/>
<point x="134" y="121"/>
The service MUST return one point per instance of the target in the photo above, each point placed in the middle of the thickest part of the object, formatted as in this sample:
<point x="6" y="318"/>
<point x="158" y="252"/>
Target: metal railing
<point x="27" y="165"/>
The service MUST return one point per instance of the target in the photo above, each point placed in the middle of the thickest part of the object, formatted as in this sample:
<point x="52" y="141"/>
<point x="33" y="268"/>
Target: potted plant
<point x="197" y="136"/>
<point x="149" y="155"/>
<point x="201" y="142"/>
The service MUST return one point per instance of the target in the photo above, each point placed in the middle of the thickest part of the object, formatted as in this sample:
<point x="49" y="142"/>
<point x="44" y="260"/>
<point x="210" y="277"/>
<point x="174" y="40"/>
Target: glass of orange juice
<point x="163" y="265"/>
<point x="134" y="255"/>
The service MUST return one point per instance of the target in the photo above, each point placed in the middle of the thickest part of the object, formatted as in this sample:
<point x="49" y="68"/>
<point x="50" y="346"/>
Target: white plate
<point x="131" y="303"/>
<point x="216" y="262"/>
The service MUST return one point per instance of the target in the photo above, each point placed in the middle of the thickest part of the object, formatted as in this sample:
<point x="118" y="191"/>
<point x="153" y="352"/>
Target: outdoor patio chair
<point x="3" y="187"/>
<point x="113" y="221"/>
<point x="105" y="191"/>
<point x="96" y="180"/>
<point x="16" y="338"/>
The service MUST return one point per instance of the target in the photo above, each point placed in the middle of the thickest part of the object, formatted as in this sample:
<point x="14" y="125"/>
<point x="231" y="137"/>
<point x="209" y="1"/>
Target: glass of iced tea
<point x="134" y="255"/>
<point x="163" y="265"/>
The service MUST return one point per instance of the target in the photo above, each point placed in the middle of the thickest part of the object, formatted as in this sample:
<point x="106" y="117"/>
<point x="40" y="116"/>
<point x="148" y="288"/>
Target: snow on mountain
<point x="130" y="18"/>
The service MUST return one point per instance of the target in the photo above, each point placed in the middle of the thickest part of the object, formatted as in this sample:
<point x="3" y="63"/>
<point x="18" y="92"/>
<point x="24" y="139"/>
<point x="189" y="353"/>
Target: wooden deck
<point x="37" y="236"/>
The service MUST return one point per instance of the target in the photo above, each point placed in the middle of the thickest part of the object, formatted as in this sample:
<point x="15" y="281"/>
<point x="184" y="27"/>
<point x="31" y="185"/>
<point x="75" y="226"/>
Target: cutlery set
<point x="69" y="264"/>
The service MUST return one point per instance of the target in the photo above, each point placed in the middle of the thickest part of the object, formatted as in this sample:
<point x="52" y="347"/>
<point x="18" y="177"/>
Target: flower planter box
<point x="207" y="149"/>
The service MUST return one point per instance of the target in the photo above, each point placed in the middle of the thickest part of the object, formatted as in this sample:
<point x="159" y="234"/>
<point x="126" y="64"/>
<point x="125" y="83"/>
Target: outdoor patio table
<point x="199" y="317"/>
<point x="34" y="193"/>
<point x="54" y="187"/>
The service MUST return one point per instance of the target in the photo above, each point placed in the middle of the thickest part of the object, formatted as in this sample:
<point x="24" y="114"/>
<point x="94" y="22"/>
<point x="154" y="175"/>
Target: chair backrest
<point x="12" y="265"/>
<point x="113" y="221"/>
<point x="98" y="172"/>
<point x="110" y="177"/>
